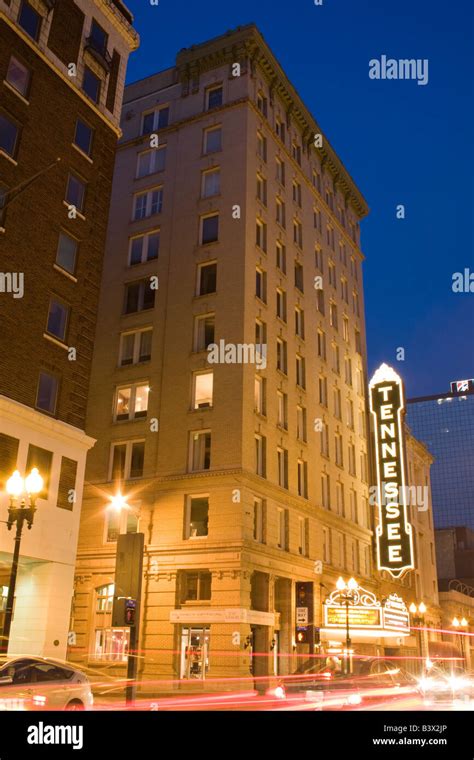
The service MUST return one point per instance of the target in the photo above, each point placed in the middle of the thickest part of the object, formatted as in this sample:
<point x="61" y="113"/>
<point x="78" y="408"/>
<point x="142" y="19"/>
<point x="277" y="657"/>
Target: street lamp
<point x="347" y="592"/>
<point x="461" y="625"/>
<point x="28" y="489"/>
<point x="418" y="614"/>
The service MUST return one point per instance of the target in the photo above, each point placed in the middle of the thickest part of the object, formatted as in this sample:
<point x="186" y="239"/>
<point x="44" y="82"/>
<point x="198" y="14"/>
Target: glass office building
<point x="445" y="424"/>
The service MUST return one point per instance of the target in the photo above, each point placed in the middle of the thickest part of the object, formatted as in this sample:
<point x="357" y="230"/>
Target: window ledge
<point x="81" y="152"/>
<point x="8" y="157"/>
<point x="17" y="93"/>
<point x="65" y="272"/>
<point x="56" y="341"/>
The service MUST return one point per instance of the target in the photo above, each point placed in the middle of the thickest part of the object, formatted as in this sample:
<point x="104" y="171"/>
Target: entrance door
<point x="194" y="653"/>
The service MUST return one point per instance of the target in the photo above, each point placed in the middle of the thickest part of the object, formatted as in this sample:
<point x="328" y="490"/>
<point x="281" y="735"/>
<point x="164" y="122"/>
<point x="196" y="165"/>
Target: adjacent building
<point x="62" y="69"/>
<point x="228" y="394"/>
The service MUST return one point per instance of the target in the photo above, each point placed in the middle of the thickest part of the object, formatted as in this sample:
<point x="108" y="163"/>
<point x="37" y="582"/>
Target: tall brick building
<point x="62" y="70"/>
<point x="233" y="223"/>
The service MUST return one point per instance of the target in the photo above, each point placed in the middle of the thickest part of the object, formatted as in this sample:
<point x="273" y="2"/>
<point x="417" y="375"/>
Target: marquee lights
<point x="394" y="532"/>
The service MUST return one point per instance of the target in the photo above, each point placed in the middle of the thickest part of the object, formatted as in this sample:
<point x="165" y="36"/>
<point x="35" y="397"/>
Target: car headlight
<point x="458" y="683"/>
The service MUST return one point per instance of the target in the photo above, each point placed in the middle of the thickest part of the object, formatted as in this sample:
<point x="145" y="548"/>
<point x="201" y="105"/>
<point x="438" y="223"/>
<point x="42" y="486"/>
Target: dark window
<point x="18" y="75"/>
<point x="118" y="461"/>
<point x="47" y="393"/>
<point x="75" y="192"/>
<point x="136" y="461"/>
<point x="66" y="253"/>
<point x="163" y="118"/>
<point x="207" y="279"/>
<point x="158" y="119"/>
<point x="67" y="484"/>
<point x="139" y="296"/>
<point x="83" y="137"/>
<point x="8" y="457"/>
<point x="299" y="277"/>
<point x="198" y="516"/>
<point x="42" y="459"/>
<point x="210" y="229"/>
<point x="98" y="36"/>
<point x="8" y="135"/>
<point x="214" y="97"/>
<point x="196" y="586"/>
<point x="3" y="201"/>
<point x="113" y="79"/>
<point x="91" y="84"/>
<point x="30" y="20"/>
<point x="57" y="319"/>
<point x="148" y="123"/>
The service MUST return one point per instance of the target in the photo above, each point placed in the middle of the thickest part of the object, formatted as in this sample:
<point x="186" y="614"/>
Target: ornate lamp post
<point x="461" y="626"/>
<point x="347" y="593"/>
<point x="418" y="616"/>
<point x="23" y="491"/>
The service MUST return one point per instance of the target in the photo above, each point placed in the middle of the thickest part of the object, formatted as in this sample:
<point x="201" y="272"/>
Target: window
<point x="58" y="317"/>
<point x="43" y="460"/>
<point x="260" y="333"/>
<point x="358" y="341"/>
<point x="197" y="516"/>
<point x="282" y="464"/>
<point x="336" y="364"/>
<point x="19" y="76"/>
<point x="259" y="520"/>
<point x="300" y="371"/>
<point x="344" y="290"/>
<point x="203" y="331"/>
<point x="47" y="392"/>
<point x="333" y="315"/>
<point x="127" y="460"/>
<point x="297" y="193"/>
<point x="345" y="329"/>
<point x="298" y="233"/>
<point x="209" y="229"/>
<point x="260" y="395"/>
<point x="203" y="390"/>
<point x="299" y="280"/>
<point x="326" y="490"/>
<point x="262" y="189"/>
<point x="282" y="410"/>
<point x="135" y="347"/>
<point x="352" y="459"/>
<point x="8" y="135"/>
<point x="317" y="220"/>
<point x="355" y="303"/>
<point x="350" y="413"/>
<point x="261" y="235"/>
<point x="318" y="259"/>
<point x="280" y="212"/>
<point x="200" y="450"/>
<point x="280" y="129"/>
<point x="324" y="441"/>
<point x="296" y="152"/>
<point x="321" y="344"/>
<point x="212" y="140"/>
<point x="332" y="273"/>
<point x="323" y="391"/>
<point x="83" y="137"/>
<point x="326" y="546"/>
<point x="261" y="146"/>
<point x="91" y="84"/>
<point x="262" y="103"/>
<point x="282" y="363"/>
<point x="339" y="499"/>
<point x="342" y="253"/>
<point x="337" y="404"/>
<point x="75" y="192"/>
<point x="261" y="455"/>
<point x="211" y="183"/>
<point x="353" y="505"/>
<point x="303" y="531"/>
<point x="131" y="402"/>
<point x="281" y="257"/>
<point x="207" y="279"/>
<point x="151" y="161"/>
<point x="195" y="586"/>
<point x="144" y="248"/>
<point x="139" y="296"/>
<point x="280" y="171"/>
<point x="156" y="119"/>
<point x="281" y="304"/>
<point x="214" y="97"/>
<point x="320" y="301"/>
<point x="282" y="526"/>
<point x="301" y="423"/>
<point x="30" y="20"/>
<point x="299" y="322"/>
<point x="98" y="36"/>
<point x="363" y="467"/>
<point x="338" y="445"/>
<point x="316" y="180"/>
<point x="67" y="253"/>
<point x="261" y="284"/>
<point x="302" y="479"/>
<point x="148" y="203"/>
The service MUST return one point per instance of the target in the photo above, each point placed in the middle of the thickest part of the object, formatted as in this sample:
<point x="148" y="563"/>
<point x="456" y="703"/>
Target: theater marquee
<point x="394" y="532"/>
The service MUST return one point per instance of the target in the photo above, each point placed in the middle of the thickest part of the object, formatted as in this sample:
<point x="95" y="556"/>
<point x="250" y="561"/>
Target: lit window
<point x="197" y="516"/>
<point x="203" y="390"/>
<point x="260" y="395"/>
<point x="131" y="402"/>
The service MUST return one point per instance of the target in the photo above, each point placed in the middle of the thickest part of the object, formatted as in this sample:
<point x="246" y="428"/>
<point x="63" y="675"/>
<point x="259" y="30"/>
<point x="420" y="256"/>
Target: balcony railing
<point x="99" y="52"/>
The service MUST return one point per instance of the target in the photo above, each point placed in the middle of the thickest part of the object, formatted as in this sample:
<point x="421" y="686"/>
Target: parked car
<point x="327" y="687"/>
<point x="40" y="683"/>
<point x="446" y="684"/>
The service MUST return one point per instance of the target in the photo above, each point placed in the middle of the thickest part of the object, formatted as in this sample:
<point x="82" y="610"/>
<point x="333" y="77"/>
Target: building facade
<point x="62" y="68"/>
<point x="229" y="378"/>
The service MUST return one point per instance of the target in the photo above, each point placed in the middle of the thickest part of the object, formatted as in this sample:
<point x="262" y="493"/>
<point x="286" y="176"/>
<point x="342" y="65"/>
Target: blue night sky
<point x="403" y="143"/>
